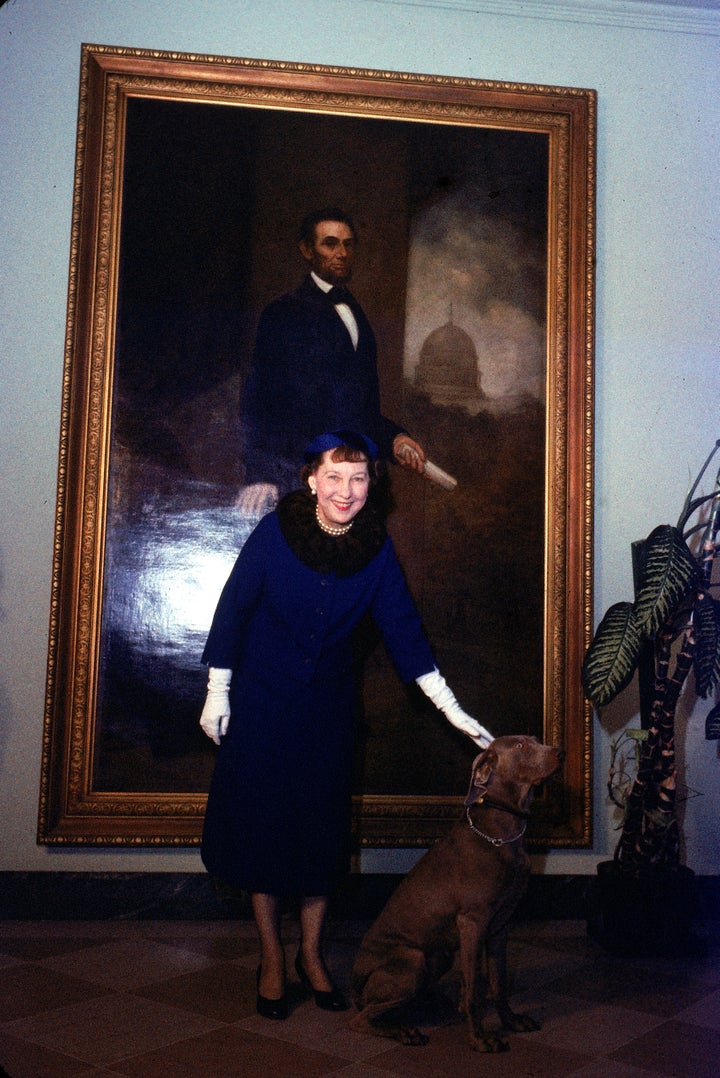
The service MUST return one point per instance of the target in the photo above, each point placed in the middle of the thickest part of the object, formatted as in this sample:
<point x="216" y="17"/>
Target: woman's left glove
<point x="437" y="689"/>
<point x="216" y="713"/>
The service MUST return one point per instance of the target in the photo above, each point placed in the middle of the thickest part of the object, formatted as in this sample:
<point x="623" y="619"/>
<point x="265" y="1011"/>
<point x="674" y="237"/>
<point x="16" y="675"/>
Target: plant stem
<point x="650" y="832"/>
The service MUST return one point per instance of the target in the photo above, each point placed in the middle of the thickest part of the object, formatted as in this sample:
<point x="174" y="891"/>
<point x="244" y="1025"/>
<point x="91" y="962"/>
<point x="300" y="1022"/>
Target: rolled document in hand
<point x="448" y="482"/>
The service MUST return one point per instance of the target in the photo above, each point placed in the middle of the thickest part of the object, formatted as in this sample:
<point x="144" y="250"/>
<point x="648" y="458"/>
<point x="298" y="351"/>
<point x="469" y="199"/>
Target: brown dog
<point x="463" y="891"/>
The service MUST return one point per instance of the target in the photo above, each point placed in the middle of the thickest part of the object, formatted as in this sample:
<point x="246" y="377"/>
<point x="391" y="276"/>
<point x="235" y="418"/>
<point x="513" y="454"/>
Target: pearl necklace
<point x="329" y="529"/>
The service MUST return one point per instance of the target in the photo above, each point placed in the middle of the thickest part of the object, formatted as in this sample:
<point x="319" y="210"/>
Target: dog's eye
<point x="520" y="745"/>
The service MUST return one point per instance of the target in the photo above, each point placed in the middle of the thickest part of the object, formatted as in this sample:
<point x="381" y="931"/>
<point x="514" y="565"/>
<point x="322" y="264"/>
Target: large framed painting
<point x="474" y="207"/>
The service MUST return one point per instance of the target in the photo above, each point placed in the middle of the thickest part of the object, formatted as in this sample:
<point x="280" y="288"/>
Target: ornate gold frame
<point x="71" y="811"/>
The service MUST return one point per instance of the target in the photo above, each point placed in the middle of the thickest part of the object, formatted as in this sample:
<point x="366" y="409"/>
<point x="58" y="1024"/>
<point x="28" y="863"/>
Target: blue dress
<point x="278" y="812"/>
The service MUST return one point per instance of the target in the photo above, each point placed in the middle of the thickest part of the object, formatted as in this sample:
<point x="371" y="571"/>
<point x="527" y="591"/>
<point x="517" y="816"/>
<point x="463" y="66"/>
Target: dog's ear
<point x="482" y="769"/>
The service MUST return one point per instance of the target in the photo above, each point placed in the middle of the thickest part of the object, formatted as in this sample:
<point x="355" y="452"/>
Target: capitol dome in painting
<point x="447" y="370"/>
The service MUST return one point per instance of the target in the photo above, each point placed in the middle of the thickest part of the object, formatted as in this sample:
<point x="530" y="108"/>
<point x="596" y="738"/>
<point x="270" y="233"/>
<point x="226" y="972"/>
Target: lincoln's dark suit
<point x="306" y="377"/>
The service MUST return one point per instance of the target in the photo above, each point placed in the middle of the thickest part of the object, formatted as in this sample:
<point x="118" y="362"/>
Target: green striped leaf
<point x="712" y="724"/>
<point x="668" y="575"/>
<point x="612" y="657"/>
<point x="707" y="646"/>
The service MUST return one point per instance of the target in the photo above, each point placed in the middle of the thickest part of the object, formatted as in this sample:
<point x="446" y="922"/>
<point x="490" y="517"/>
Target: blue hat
<point x="334" y="438"/>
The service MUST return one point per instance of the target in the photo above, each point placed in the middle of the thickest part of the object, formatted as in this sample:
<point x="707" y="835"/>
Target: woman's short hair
<point x="340" y="454"/>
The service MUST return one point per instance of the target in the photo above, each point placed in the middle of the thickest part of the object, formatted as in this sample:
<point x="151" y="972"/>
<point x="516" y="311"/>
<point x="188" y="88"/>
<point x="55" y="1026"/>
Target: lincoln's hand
<point x="409" y="453"/>
<point x="257" y="499"/>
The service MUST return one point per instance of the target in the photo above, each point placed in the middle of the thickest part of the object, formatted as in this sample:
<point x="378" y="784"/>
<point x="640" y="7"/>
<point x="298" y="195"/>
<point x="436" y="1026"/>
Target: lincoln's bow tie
<point x="337" y="294"/>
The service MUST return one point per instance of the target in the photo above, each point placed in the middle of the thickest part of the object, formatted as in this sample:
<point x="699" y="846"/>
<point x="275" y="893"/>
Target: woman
<point x="280" y="699"/>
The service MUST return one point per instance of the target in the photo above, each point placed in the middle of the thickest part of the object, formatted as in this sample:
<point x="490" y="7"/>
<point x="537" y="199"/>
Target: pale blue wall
<point x="658" y="364"/>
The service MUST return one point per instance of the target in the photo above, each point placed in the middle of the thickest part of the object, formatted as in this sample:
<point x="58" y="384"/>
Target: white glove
<point x="437" y="689"/>
<point x="216" y="713"/>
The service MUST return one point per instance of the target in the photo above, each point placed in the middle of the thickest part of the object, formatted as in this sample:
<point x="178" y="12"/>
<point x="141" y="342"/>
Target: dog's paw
<point x="412" y="1036"/>
<point x="490" y="1042"/>
<point x="520" y="1023"/>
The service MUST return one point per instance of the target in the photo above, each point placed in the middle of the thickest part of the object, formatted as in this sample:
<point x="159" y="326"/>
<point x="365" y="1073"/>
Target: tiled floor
<point x="176" y="999"/>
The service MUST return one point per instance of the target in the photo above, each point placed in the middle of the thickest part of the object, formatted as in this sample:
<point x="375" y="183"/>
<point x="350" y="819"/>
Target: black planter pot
<point x="648" y="914"/>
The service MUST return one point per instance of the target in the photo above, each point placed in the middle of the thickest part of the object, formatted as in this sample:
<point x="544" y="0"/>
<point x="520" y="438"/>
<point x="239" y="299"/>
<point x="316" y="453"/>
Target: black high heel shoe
<point x="333" y="1000"/>
<point x="270" y="1008"/>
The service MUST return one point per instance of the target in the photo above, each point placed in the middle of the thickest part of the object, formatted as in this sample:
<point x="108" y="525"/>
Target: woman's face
<point x="341" y="488"/>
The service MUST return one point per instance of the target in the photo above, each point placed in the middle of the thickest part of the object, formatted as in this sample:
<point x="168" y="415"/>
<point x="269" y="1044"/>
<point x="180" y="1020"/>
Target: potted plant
<point x="645" y="897"/>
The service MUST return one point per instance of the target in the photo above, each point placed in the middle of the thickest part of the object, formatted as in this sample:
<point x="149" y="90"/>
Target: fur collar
<point x="342" y="554"/>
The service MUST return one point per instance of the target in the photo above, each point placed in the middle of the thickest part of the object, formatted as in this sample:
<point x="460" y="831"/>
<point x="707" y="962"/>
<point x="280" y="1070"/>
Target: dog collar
<point x="489" y="838"/>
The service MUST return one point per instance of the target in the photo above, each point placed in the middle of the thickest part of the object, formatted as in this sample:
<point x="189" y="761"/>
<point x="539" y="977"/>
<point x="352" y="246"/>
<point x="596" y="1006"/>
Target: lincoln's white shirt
<point x="342" y="309"/>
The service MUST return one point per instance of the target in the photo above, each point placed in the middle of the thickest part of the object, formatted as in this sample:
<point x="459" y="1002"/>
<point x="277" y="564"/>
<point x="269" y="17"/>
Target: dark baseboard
<point x="187" y="896"/>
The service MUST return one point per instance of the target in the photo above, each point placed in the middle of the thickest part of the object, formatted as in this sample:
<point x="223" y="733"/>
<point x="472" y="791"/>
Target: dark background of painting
<point x="213" y="196"/>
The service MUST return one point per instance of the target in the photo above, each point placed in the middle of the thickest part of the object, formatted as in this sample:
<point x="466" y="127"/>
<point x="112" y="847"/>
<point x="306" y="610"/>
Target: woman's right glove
<point x="216" y="713"/>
